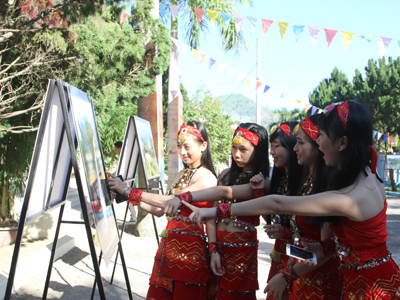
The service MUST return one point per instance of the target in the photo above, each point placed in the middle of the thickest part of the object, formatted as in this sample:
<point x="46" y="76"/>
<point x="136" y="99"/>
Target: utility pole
<point x="258" y="91"/>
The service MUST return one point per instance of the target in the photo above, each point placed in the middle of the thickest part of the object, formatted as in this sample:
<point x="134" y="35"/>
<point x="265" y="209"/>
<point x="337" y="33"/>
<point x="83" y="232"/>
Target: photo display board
<point x="51" y="158"/>
<point x="94" y="168"/>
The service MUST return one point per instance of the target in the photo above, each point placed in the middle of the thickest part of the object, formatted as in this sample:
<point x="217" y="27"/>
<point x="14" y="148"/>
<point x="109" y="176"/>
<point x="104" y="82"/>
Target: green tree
<point x="330" y="90"/>
<point x="286" y="115"/>
<point x="207" y="109"/>
<point x="115" y="66"/>
<point x="34" y="47"/>
<point x="380" y="91"/>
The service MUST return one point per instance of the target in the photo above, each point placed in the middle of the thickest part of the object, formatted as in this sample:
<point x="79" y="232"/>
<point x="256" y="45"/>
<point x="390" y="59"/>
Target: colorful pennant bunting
<point x="282" y="28"/>
<point x="226" y="18"/>
<point x="307" y="107"/>
<point x="202" y="58"/>
<point x="174" y="10"/>
<point x="194" y="53"/>
<point x="383" y="43"/>
<point x="266" y="24"/>
<point x="252" y="23"/>
<point x="212" y="15"/>
<point x="346" y="39"/>
<point x="330" y="34"/>
<point x="124" y="17"/>
<point x="258" y="84"/>
<point x="266" y="89"/>
<point x="212" y="62"/>
<point x="314" y="32"/>
<point x="163" y="9"/>
<point x="238" y="21"/>
<point x="298" y="30"/>
<point x="199" y="13"/>
<point x="221" y="67"/>
<point x="313" y="110"/>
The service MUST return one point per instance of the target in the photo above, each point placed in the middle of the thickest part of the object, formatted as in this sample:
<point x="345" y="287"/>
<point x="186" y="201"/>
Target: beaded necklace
<point x="283" y="189"/>
<point x="243" y="177"/>
<point x="184" y="180"/>
<point x="305" y="190"/>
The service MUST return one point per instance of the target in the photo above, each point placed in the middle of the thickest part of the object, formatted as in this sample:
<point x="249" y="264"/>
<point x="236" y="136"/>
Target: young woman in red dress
<point x="181" y="266"/>
<point x="355" y="196"/>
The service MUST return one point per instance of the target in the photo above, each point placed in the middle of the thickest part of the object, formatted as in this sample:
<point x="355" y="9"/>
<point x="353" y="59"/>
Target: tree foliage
<point x="286" y="115"/>
<point x="207" y="109"/>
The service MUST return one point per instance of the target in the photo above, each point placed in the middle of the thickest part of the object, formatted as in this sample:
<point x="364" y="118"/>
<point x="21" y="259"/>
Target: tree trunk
<point x="392" y="183"/>
<point x="174" y="109"/>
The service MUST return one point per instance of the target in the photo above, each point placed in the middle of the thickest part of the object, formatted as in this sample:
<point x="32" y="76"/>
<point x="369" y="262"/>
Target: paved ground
<point x="73" y="276"/>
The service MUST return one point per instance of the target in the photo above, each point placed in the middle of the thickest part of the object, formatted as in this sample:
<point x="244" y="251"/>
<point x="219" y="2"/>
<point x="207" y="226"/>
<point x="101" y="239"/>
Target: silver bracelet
<point x="125" y="189"/>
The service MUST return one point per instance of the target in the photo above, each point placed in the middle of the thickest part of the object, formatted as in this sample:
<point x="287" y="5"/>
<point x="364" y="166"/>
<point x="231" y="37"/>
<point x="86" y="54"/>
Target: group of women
<point x="323" y="195"/>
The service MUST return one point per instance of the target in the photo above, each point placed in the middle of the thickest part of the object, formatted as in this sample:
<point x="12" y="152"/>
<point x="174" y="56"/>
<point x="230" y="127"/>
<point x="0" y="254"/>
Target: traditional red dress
<point x="181" y="267"/>
<point x="368" y="269"/>
<point x="325" y="282"/>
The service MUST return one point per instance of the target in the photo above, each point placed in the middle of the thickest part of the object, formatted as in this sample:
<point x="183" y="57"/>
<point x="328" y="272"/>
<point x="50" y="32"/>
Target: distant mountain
<point x="242" y="108"/>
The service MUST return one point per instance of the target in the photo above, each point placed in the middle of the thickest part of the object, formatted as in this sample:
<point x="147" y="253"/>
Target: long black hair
<point x="260" y="160"/>
<point x="356" y="157"/>
<point x="321" y="170"/>
<point x="295" y="174"/>
<point x="206" y="160"/>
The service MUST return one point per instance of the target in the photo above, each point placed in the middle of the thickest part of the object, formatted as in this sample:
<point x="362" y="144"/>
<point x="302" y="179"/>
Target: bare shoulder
<point x="203" y="174"/>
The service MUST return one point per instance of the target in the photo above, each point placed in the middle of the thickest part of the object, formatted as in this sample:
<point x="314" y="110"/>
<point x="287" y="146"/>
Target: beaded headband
<point x="343" y="112"/>
<point x="309" y="128"/>
<point x="244" y="133"/>
<point x="284" y="127"/>
<point x="186" y="129"/>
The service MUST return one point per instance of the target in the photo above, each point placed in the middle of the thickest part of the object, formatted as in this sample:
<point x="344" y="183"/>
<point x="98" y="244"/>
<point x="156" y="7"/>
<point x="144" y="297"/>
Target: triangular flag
<point x="124" y="16"/>
<point x="320" y="110"/>
<point x="307" y="107"/>
<point x="297" y="102"/>
<point x="230" y="72"/>
<point x="212" y="15"/>
<point x="313" y="110"/>
<point x="258" y="84"/>
<point x="346" y="39"/>
<point x="174" y="10"/>
<point x="240" y="76"/>
<point x="199" y="13"/>
<point x="390" y="140"/>
<point x="194" y="53"/>
<point x="366" y="37"/>
<point x="384" y="138"/>
<point x="330" y="34"/>
<point x="221" y="67"/>
<point x="252" y="23"/>
<point x="184" y="48"/>
<point x="298" y="30"/>
<point x="396" y="141"/>
<point x="163" y="8"/>
<point x="266" y="24"/>
<point x="283" y="95"/>
<point x="238" y="21"/>
<point x="379" y="135"/>
<point x="374" y="134"/>
<point x="226" y="18"/>
<point x="282" y="28"/>
<point x="186" y="11"/>
<point x="266" y="88"/>
<point x="212" y="62"/>
<point x="314" y="32"/>
<point x="383" y="43"/>
<point x="202" y="57"/>
<point x="248" y="81"/>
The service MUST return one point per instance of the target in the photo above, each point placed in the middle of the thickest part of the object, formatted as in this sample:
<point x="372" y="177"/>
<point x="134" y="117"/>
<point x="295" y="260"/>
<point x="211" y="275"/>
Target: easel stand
<point x="41" y="195"/>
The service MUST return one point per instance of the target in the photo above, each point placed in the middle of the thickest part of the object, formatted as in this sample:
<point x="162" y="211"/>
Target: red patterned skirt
<point x="325" y="282"/>
<point x="182" y="257"/>
<point x="239" y="260"/>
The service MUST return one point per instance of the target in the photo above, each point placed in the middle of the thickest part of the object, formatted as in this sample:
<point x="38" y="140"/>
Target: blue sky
<point x="290" y="67"/>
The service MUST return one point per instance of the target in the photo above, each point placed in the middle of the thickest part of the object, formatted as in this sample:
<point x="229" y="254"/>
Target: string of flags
<point x="383" y="42"/>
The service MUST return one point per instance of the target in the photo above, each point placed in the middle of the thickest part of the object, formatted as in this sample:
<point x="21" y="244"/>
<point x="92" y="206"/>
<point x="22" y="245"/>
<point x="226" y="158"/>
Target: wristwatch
<point x="125" y="189"/>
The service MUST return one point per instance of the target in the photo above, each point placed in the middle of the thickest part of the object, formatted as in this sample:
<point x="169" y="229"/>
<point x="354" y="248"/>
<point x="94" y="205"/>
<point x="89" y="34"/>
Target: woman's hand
<point x="276" y="288"/>
<point x="171" y="207"/>
<point x="200" y="215"/>
<point x="274" y="231"/>
<point x="215" y="264"/>
<point x="317" y="249"/>
<point x="115" y="184"/>
<point x="257" y="181"/>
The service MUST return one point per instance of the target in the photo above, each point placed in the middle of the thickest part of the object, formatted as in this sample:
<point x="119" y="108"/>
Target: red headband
<point x="187" y="129"/>
<point x="284" y="127"/>
<point x="343" y="112"/>
<point x="310" y="129"/>
<point x="244" y="133"/>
